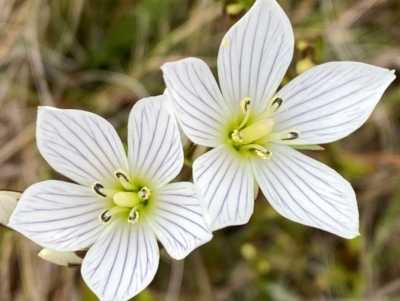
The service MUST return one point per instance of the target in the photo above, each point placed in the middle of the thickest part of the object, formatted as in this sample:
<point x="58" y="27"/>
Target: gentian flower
<point x="121" y="204"/>
<point x="253" y="129"/>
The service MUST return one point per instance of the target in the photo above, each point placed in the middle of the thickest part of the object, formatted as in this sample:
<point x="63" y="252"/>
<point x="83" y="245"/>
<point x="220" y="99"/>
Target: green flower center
<point x="131" y="200"/>
<point x="253" y="134"/>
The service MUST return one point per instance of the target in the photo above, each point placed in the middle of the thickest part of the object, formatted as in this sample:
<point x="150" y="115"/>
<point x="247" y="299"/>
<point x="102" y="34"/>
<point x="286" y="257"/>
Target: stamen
<point x="133" y="216"/>
<point x="144" y="193"/>
<point x="276" y="103"/>
<point x="292" y="135"/>
<point x="124" y="179"/>
<point x="261" y="151"/>
<point x="99" y="189"/>
<point x="284" y="136"/>
<point x="265" y="155"/>
<point x="273" y="107"/>
<point x="237" y="136"/>
<point x="245" y="105"/>
<point x="106" y="215"/>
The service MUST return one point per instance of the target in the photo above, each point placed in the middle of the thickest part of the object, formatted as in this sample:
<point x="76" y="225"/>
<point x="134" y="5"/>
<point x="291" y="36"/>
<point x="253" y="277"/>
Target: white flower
<point x="253" y="129"/>
<point x="122" y="203"/>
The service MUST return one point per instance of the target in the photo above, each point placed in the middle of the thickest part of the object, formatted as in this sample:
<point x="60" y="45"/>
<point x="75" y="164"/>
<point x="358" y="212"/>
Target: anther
<point x="264" y="154"/>
<point x="104" y="218"/>
<point x="107" y="214"/>
<point x="124" y="179"/>
<point x="244" y="103"/>
<point x="133" y="216"/>
<point x="97" y="187"/>
<point x="237" y="136"/>
<point x="278" y="102"/>
<point x="291" y="135"/>
<point x="144" y="193"/>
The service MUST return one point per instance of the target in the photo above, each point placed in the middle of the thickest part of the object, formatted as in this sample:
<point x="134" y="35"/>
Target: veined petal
<point x="226" y="183"/>
<point x="198" y="103"/>
<point x="255" y="54"/>
<point x="122" y="262"/>
<point x="330" y="101"/>
<point x="8" y="202"/>
<point x="59" y="215"/>
<point x="306" y="191"/>
<point x="177" y="219"/>
<point x="154" y="145"/>
<point x="60" y="258"/>
<point x="80" y="145"/>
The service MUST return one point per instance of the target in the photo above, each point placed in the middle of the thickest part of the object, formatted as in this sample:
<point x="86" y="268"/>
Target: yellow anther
<point x="263" y="154"/>
<point x="244" y="103"/>
<point x="126" y="199"/>
<point x="225" y="43"/>
<point x="237" y="136"/>
<point x="144" y="193"/>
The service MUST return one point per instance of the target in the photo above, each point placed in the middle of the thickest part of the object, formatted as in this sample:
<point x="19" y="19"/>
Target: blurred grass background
<point x="103" y="55"/>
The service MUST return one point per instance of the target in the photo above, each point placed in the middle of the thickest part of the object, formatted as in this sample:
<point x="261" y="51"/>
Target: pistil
<point x="126" y="199"/>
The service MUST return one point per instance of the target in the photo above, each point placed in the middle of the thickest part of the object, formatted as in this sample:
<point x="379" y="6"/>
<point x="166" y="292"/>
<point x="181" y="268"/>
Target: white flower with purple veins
<point x="254" y="129"/>
<point x="123" y="203"/>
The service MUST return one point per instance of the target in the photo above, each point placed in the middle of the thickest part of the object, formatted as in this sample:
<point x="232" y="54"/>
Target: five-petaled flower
<point x="123" y="203"/>
<point x="254" y="129"/>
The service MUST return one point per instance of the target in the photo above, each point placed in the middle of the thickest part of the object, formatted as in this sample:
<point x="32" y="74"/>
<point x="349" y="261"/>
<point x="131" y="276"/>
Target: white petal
<point x="59" y="215"/>
<point x="122" y="262"/>
<point x="8" y="202"/>
<point x="177" y="219"/>
<point x="255" y="54"/>
<point x="60" y="258"/>
<point x="80" y="145"/>
<point x="154" y="145"/>
<point x="198" y="103"/>
<point x="306" y="191"/>
<point x="226" y="182"/>
<point x="331" y="101"/>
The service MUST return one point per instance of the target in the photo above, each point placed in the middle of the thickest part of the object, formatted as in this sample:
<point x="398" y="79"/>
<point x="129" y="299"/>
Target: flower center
<point x="130" y="200"/>
<point x="253" y="135"/>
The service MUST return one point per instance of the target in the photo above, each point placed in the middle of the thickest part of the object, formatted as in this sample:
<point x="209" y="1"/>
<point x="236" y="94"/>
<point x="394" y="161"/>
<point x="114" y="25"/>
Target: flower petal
<point x="226" y="182"/>
<point x="80" y="145"/>
<point x="154" y="146"/>
<point x="306" y="191"/>
<point x="255" y="54"/>
<point x="122" y="262"/>
<point x="198" y="103"/>
<point x="330" y="101"/>
<point x="60" y="258"/>
<point x="8" y="202"/>
<point x="59" y="215"/>
<point x="177" y="219"/>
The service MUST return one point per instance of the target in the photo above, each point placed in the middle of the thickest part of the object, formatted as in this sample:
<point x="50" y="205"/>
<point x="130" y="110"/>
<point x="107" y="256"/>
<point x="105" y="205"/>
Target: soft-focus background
<point x="104" y="55"/>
